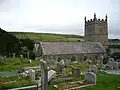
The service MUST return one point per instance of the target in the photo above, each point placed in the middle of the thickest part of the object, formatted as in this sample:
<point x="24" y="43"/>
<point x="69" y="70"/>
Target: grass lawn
<point x="10" y="64"/>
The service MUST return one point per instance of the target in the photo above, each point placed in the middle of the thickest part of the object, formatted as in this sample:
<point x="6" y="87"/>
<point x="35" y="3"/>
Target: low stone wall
<point x="35" y="87"/>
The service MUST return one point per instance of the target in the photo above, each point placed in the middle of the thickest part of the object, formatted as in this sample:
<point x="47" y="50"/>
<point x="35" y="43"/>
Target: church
<point x="93" y="46"/>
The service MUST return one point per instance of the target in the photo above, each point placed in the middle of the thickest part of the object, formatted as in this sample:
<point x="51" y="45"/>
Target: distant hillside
<point x="49" y="37"/>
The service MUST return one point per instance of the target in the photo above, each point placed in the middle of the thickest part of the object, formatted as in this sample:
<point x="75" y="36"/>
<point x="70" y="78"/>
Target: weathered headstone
<point x="21" y="63"/>
<point x="1" y="58"/>
<point x="92" y="68"/>
<point x="111" y="60"/>
<point x="76" y="72"/>
<point x="118" y="61"/>
<point x="90" y="77"/>
<point x="13" y="55"/>
<point x="27" y="55"/>
<point x="44" y="75"/>
<point x="36" y="47"/>
<point x="51" y="74"/>
<point x="61" y="65"/>
<point x="64" y="71"/>
<point x="114" y="65"/>
<point x="32" y="74"/>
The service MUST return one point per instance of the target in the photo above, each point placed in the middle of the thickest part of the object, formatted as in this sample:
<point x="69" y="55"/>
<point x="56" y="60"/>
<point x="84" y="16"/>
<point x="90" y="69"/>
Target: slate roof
<point x="60" y="48"/>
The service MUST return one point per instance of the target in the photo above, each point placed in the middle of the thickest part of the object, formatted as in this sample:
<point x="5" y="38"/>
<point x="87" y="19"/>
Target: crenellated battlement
<point x="95" y="20"/>
<point x="96" y="30"/>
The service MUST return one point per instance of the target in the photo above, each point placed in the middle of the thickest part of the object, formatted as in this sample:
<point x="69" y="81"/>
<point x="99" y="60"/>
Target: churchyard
<point x="24" y="74"/>
<point x="15" y="72"/>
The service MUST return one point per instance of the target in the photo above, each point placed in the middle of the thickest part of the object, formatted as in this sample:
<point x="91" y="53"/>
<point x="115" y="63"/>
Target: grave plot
<point x="90" y="80"/>
<point x="73" y="85"/>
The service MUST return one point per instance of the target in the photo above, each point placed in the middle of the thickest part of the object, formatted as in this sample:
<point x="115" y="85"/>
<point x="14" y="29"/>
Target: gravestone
<point x="92" y="68"/>
<point x="27" y="55"/>
<point x="76" y="72"/>
<point x="44" y="75"/>
<point x="32" y="74"/>
<point x="51" y="75"/>
<point x="21" y="63"/>
<point x="111" y="60"/>
<point x="90" y="77"/>
<point x="36" y="47"/>
<point x="13" y="55"/>
<point x="118" y="61"/>
<point x="61" y="65"/>
<point x="114" y="65"/>
<point x="1" y="58"/>
<point x="64" y="71"/>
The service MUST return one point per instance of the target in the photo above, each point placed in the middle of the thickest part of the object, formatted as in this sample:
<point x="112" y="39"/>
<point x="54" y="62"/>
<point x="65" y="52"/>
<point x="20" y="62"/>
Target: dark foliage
<point x="114" y="46"/>
<point x="108" y="51"/>
<point x="105" y="60"/>
<point x="28" y="43"/>
<point x="10" y="44"/>
<point x="115" y="55"/>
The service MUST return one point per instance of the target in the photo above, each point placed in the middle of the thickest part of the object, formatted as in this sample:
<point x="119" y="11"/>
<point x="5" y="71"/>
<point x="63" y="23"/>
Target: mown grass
<point x="14" y="64"/>
<point x="47" y="37"/>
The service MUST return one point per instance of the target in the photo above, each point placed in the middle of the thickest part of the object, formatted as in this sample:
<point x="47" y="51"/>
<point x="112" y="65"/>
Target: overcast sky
<point x="57" y="16"/>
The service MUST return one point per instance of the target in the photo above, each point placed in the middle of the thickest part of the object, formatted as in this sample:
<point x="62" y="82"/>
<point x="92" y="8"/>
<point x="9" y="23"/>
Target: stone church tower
<point x="96" y="30"/>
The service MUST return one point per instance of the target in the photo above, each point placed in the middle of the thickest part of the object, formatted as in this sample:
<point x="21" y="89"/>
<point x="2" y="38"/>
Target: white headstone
<point x="32" y="74"/>
<point x="36" y="47"/>
<point x="21" y="64"/>
<point x="90" y="77"/>
<point x="51" y="75"/>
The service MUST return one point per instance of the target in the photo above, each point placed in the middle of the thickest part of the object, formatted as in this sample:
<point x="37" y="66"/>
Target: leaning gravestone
<point x="51" y="75"/>
<point x="44" y="75"/>
<point x="32" y="74"/>
<point x="90" y="77"/>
